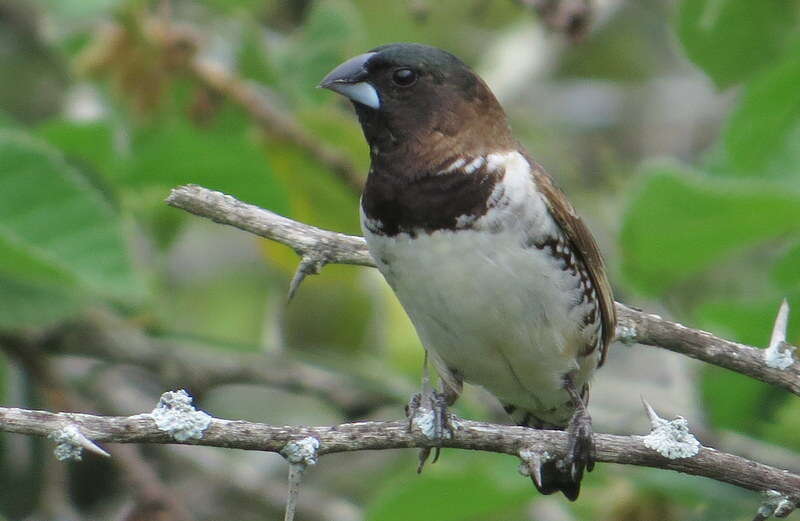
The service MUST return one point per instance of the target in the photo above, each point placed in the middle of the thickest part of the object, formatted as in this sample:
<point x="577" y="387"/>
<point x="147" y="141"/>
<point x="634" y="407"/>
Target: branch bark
<point x="332" y="247"/>
<point x="347" y="437"/>
<point x="148" y="490"/>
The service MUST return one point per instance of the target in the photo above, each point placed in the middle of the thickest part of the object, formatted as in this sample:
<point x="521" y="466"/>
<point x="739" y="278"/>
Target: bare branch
<point x="309" y="265"/>
<point x="330" y="247"/>
<point x="300" y="454"/>
<point x="198" y="367"/>
<point x="471" y="435"/>
<point x="149" y="490"/>
<point x="572" y="17"/>
<point x="652" y="330"/>
<point x="634" y="326"/>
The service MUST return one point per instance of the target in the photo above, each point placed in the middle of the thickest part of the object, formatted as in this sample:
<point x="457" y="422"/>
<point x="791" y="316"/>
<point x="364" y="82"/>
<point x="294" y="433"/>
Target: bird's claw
<point x="412" y="408"/>
<point x="428" y="412"/>
<point x="581" y="453"/>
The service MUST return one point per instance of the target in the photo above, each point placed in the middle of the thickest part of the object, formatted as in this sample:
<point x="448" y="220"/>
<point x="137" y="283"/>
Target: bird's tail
<point x="552" y="475"/>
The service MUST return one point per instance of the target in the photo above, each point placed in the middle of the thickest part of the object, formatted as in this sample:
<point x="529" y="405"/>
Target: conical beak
<point x="349" y="79"/>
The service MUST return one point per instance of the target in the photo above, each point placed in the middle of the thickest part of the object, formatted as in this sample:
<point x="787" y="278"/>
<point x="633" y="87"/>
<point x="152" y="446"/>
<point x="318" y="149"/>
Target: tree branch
<point x="572" y="17"/>
<point x="347" y="437"/>
<point x="332" y="247"/>
<point x="652" y="330"/>
<point x="149" y="491"/>
<point x="106" y="337"/>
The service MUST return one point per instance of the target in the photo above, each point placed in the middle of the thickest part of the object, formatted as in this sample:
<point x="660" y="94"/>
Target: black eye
<point x="404" y="77"/>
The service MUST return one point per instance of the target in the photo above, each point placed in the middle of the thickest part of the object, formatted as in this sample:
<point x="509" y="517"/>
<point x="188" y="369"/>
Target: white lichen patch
<point x="68" y="447"/>
<point x="626" y="334"/>
<point x="176" y="415"/>
<point x="672" y="439"/>
<point x="781" y="357"/>
<point x="302" y="451"/>
<point x="531" y="457"/>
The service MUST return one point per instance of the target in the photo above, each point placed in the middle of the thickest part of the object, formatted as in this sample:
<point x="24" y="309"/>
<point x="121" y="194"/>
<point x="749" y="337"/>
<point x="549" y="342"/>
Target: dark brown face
<point x="411" y="96"/>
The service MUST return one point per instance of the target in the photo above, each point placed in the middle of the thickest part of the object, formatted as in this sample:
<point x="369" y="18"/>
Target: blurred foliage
<point x="734" y="39"/>
<point x="100" y="114"/>
<point x="763" y="130"/>
<point x="684" y="226"/>
<point x="759" y="142"/>
<point x="677" y="210"/>
<point x="474" y="486"/>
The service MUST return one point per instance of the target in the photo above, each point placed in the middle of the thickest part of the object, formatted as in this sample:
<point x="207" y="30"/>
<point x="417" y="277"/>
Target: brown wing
<point x="587" y="251"/>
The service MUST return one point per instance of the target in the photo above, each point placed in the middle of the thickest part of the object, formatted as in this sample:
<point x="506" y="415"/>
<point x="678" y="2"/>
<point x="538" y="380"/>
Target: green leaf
<point x="749" y="322"/>
<point x="26" y="304"/>
<point x="317" y="196"/>
<point x="253" y="63"/>
<point x="222" y="157"/>
<point x="50" y="215"/>
<point x="734" y="401"/>
<point x="732" y="39"/>
<point x="786" y="272"/>
<point x="680" y="223"/>
<point x="332" y="33"/>
<point x="79" y="10"/>
<point x="484" y="487"/>
<point x="228" y="308"/>
<point x="90" y="143"/>
<point x="766" y="124"/>
<point x="232" y="6"/>
<point x="25" y="265"/>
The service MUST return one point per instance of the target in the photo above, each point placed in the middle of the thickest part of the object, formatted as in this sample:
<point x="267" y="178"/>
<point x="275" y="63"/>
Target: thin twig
<point x="333" y="247"/>
<point x="472" y="435"/>
<point x="652" y="330"/>
<point x="571" y="17"/>
<point x="199" y="367"/>
<point x="330" y="247"/>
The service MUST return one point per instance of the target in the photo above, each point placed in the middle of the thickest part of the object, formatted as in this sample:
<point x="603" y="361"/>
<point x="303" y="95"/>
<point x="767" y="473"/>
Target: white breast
<point x="486" y="303"/>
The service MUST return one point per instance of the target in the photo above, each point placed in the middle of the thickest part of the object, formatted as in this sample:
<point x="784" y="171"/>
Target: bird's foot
<point x="427" y="411"/>
<point x="581" y="452"/>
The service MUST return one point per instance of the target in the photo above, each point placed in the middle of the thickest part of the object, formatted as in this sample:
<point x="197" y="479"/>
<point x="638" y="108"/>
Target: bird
<point x="502" y="280"/>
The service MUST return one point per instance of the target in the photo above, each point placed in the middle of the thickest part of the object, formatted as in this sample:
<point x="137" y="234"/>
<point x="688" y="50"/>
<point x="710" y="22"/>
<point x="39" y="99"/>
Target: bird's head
<point x="416" y="98"/>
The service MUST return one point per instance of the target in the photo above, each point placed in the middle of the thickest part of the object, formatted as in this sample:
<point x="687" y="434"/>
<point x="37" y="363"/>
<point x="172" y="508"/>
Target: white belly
<point x="501" y="314"/>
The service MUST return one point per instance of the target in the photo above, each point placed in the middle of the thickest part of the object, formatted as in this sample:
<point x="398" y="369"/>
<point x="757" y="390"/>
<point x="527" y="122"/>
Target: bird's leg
<point x="441" y="428"/>
<point x="417" y="401"/>
<point x="433" y="402"/>
<point x="581" y="450"/>
<point x="428" y="410"/>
